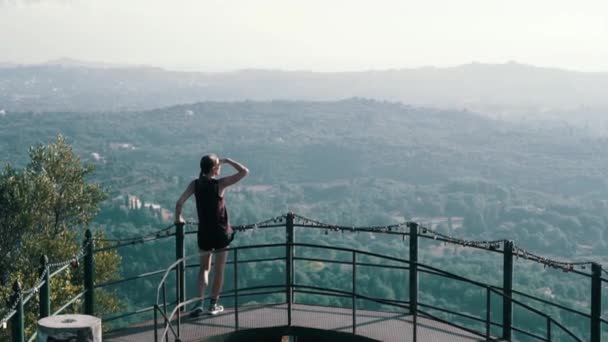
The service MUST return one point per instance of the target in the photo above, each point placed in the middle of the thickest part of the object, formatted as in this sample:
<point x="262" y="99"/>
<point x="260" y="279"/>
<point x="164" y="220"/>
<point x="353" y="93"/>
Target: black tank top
<point x="212" y="213"/>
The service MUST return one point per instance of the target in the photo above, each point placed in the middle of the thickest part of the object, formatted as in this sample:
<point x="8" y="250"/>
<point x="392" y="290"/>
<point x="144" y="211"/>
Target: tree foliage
<point x="44" y="209"/>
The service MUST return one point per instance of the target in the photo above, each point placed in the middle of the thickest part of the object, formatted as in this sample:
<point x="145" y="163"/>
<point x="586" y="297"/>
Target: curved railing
<point x="41" y="287"/>
<point x="411" y="230"/>
<point x="174" y="316"/>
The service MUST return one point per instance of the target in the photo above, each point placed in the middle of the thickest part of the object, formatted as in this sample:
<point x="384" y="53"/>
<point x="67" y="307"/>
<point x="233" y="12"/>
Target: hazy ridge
<point x="508" y="90"/>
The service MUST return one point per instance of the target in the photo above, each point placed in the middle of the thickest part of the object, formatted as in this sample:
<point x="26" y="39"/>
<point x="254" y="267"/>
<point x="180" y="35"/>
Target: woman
<point x="214" y="231"/>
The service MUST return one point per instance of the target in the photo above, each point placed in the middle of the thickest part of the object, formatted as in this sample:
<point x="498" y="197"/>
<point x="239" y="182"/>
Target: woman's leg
<point x="203" y="274"/>
<point x="218" y="274"/>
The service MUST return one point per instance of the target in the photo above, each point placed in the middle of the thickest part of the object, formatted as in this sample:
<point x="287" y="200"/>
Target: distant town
<point x="132" y="202"/>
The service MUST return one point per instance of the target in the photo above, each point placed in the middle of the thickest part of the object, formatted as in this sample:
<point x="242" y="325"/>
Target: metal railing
<point x="413" y="231"/>
<point x="20" y="298"/>
<point x="174" y="316"/>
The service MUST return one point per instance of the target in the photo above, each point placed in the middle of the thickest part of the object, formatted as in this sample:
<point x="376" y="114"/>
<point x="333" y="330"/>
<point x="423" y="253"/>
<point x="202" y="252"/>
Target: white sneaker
<point x="215" y="309"/>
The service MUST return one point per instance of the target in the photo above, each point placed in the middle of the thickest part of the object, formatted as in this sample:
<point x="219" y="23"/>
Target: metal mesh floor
<point x="383" y="326"/>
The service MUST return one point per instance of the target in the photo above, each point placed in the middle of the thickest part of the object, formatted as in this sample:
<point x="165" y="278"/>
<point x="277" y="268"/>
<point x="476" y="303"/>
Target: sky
<point x="315" y="35"/>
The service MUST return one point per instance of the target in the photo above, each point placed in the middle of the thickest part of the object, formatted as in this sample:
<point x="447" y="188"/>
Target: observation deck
<point x="309" y="323"/>
<point x="291" y="304"/>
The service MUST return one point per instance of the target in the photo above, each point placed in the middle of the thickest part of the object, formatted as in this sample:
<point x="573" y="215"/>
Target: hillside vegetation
<point x="353" y="162"/>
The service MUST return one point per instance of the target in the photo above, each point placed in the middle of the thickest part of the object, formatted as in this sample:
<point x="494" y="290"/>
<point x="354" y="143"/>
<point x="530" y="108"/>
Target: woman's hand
<point x="230" y="180"/>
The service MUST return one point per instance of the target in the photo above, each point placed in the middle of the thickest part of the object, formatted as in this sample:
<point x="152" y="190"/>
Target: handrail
<point x="241" y="228"/>
<point x="451" y="323"/>
<point x="169" y="269"/>
<point x="538" y="312"/>
<point x="351" y="229"/>
<point x="344" y="249"/>
<point x="493" y="289"/>
<point x="345" y="293"/>
<point x="229" y="261"/>
<point x="441" y="239"/>
<point x="358" y="296"/>
<point x="527" y="333"/>
<point x="173" y="312"/>
<point x="72" y="301"/>
<point x="395" y="229"/>
<point x="264" y="245"/>
<point x="59" y="270"/>
<point x="451" y="275"/>
<point x="30" y="293"/>
<point x="132" y="242"/>
<point x="123" y="315"/>
<point x="468" y="316"/>
<point x="139" y="276"/>
<point x="348" y="263"/>
<point x="567" y="331"/>
<point x="544" y="301"/>
<point x="157" y="309"/>
<point x="457" y="277"/>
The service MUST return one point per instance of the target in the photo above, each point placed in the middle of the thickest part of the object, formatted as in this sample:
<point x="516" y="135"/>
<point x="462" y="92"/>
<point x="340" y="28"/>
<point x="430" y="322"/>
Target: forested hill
<point x="356" y="160"/>
<point x="296" y="141"/>
<point x="496" y="89"/>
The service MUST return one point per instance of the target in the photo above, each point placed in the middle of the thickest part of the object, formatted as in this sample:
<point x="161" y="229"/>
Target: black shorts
<point x="208" y="241"/>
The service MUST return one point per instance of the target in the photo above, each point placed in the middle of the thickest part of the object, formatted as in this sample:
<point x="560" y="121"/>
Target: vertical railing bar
<point x="488" y="311"/>
<point x="179" y="293"/>
<point x="236" y="289"/>
<point x="164" y="299"/>
<point x="548" y="328"/>
<point x="45" y="290"/>
<point x="165" y="310"/>
<point x="413" y="267"/>
<point x="89" y="274"/>
<point x="507" y="304"/>
<point x="292" y="251"/>
<point x="414" y="276"/>
<point x="354" y="287"/>
<point x="17" y="323"/>
<point x="596" y="303"/>
<point x="289" y="266"/>
<point x="180" y="251"/>
<point x="415" y="326"/>
<point x="156" y="322"/>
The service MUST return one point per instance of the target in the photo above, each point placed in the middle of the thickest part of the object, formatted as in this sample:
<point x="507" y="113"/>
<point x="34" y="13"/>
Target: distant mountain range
<point x="492" y="89"/>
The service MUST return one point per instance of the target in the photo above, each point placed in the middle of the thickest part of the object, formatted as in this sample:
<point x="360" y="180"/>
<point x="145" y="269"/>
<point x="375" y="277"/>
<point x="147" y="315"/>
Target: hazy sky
<point x="319" y="35"/>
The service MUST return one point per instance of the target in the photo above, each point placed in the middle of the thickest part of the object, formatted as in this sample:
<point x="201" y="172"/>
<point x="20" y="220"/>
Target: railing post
<point x="488" y="312"/>
<point x="507" y="286"/>
<point x="236" y="288"/>
<point x="414" y="277"/>
<point x="17" y="325"/>
<point x="178" y="313"/>
<point x="89" y="274"/>
<point x="180" y="252"/>
<point x="596" y="302"/>
<point x="354" y="265"/>
<point x="289" y="268"/>
<point x="44" y="295"/>
<point x="413" y="267"/>
<point x="156" y="322"/>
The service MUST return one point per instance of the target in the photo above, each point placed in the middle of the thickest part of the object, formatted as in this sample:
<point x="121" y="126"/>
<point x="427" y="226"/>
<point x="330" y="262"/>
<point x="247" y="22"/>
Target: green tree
<point x="44" y="210"/>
